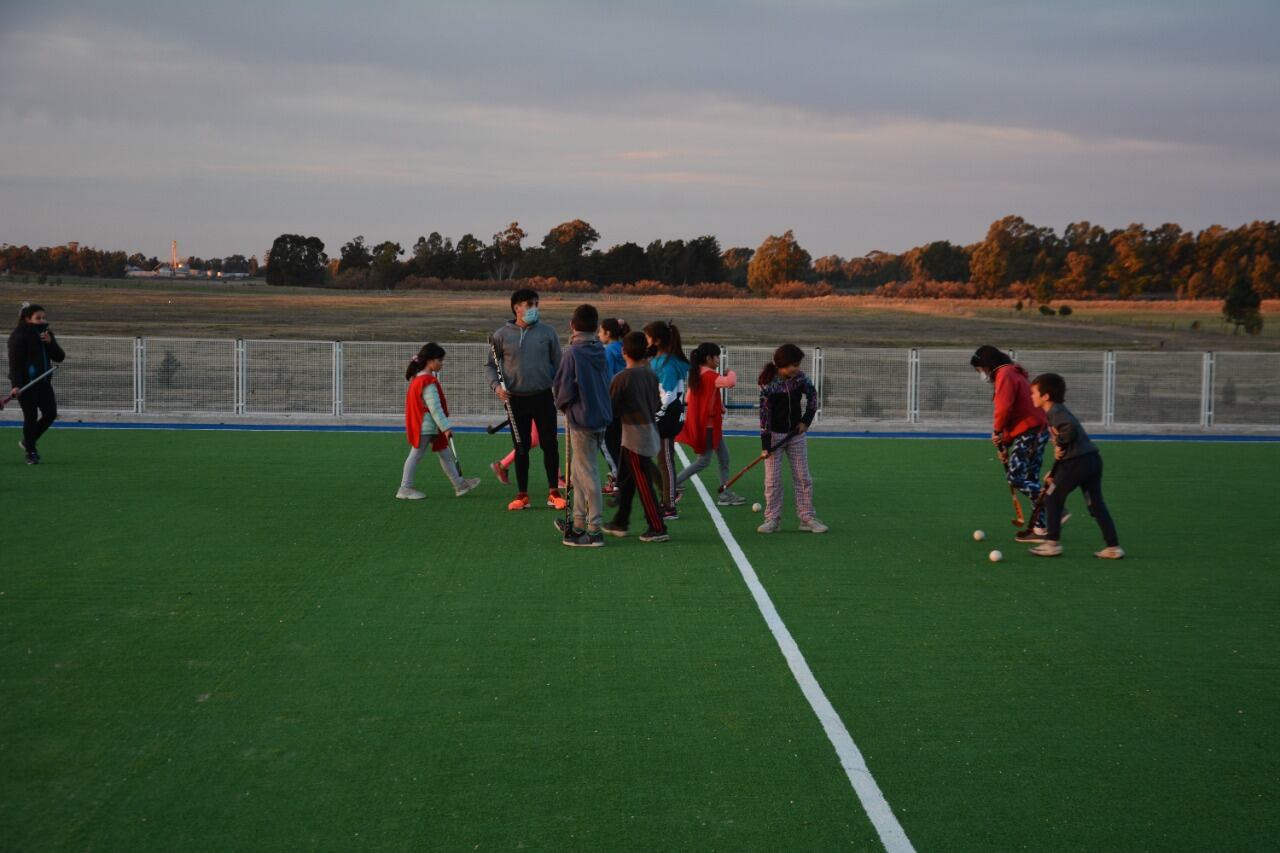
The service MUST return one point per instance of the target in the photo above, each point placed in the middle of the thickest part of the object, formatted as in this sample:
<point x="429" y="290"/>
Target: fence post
<point x="1206" y="390"/>
<point x="139" y="376"/>
<point x="1109" y="388"/>
<point x="337" y="378"/>
<point x="817" y="383"/>
<point x="913" y="386"/>
<point x="241" y="377"/>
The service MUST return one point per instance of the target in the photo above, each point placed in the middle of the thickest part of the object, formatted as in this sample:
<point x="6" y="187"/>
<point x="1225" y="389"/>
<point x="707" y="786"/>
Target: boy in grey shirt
<point x="1078" y="465"/>
<point x="635" y="403"/>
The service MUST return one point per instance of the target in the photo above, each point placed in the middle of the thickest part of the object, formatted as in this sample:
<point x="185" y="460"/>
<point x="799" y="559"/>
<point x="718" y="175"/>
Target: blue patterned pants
<point x="1025" y="455"/>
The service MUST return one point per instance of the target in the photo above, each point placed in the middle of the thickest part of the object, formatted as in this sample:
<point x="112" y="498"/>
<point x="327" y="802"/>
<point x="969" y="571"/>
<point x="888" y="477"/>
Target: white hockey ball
<point x="755" y="507"/>
<point x="995" y="556"/>
<point x="978" y="536"/>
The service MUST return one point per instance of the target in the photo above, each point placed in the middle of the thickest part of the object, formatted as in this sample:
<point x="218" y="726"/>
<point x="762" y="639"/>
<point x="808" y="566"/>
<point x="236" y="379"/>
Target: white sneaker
<point x="1047" y="548"/>
<point x="1110" y="553"/>
<point x="409" y="494"/>
<point x="467" y="485"/>
<point x="814" y="525"/>
<point x="768" y="527"/>
<point x="1044" y="531"/>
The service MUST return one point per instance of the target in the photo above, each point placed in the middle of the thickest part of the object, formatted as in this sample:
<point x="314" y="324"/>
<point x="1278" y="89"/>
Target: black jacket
<point x="29" y="356"/>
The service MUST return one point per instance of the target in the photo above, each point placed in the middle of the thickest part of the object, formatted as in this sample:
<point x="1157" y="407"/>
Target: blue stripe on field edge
<point x="739" y="433"/>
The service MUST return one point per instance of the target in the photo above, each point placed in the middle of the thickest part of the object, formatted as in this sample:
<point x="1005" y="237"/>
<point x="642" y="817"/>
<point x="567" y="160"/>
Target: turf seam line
<point x="892" y="835"/>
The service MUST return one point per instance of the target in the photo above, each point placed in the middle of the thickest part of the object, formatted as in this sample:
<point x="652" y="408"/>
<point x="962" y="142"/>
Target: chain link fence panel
<point x="865" y="384"/>
<point x="1158" y="388"/>
<point x="288" y="377"/>
<point x="189" y="375"/>
<point x="97" y="375"/>
<point x="1246" y="389"/>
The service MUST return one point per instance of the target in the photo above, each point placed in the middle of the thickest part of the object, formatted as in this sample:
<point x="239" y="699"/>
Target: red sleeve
<point x="1005" y="398"/>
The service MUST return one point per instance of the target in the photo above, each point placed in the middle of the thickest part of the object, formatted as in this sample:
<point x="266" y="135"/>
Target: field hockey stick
<point x="457" y="463"/>
<point x="506" y="404"/>
<point x="754" y="462"/>
<point x="1050" y="484"/>
<point x="608" y="457"/>
<point x="492" y="428"/>
<point x="14" y="395"/>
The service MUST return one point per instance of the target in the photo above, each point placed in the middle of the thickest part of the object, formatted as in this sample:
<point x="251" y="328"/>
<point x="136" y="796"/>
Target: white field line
<point x="855" y="767"/>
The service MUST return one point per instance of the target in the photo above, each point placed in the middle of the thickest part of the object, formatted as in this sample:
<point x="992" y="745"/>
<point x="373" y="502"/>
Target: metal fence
<point x="875" y="387"/>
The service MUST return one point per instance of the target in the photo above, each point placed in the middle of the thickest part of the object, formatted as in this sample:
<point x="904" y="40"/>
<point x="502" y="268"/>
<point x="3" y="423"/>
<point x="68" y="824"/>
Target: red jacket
<point x="704" y="409"/>
<point x="415" y="411"/>
<point x="1014" y="413"/>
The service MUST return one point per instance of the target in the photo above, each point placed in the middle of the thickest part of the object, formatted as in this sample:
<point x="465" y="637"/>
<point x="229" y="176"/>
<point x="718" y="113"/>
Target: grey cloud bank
<point x="860" y="126"/>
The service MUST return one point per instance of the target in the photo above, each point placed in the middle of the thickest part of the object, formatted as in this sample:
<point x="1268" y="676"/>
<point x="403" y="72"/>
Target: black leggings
<point x="1083" y="473"/>
<point x="39" y="411"/>
<point x="537" y="408"/>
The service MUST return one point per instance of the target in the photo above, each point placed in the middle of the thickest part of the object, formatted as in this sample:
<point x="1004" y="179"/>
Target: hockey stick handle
<point x="764" y="454"/>
<point x="506" y="404"/>
<point x="12" y="396"/>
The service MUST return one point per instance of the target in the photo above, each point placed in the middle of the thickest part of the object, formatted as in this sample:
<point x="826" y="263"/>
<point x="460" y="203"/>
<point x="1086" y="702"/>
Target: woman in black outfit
<point x="32" y="348"/>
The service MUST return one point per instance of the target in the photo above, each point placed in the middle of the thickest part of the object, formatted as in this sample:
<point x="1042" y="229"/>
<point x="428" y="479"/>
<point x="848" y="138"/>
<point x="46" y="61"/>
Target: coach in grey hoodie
<point x="581" y="389"/>
<point x="529" y="353"/>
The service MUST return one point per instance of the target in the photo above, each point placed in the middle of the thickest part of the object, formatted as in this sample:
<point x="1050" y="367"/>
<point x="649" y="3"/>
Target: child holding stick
<point x="783" y="423"/>
<point x="426" y="421"/>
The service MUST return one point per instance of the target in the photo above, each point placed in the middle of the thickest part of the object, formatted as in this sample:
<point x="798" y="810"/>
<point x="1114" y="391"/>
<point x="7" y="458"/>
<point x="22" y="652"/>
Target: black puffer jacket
<point x="29" y="356"/>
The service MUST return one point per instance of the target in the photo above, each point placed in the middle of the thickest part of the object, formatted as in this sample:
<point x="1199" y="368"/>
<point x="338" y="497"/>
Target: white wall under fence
<point x="858" y="388"/>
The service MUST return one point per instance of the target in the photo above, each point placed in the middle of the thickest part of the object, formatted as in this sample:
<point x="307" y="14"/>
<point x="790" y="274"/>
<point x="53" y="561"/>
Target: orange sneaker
<point x="555" y="500"/>
<point x="521" y="502"/>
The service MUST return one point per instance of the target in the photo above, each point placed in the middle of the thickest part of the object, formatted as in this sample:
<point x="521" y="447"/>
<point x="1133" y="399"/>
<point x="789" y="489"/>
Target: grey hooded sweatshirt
<point x="530" y="357"/>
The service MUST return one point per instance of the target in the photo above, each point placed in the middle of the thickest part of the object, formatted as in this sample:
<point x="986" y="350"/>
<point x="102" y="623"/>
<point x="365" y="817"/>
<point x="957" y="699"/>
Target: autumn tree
<point x="1242" y="307"/>
<point x="777" y="260"/>
<point x="296" y="261"/>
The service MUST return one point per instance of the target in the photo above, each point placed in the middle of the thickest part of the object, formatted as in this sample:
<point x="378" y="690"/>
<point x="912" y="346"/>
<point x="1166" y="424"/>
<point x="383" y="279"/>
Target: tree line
<point x="86" y="261"/>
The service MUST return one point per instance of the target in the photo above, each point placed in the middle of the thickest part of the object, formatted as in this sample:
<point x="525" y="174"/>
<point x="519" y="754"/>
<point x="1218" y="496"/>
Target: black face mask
<point x="41" y="328"/>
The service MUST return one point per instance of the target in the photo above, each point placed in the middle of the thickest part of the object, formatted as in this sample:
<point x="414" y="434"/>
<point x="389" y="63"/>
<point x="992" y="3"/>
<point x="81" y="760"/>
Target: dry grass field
<point x="182" y="309"/>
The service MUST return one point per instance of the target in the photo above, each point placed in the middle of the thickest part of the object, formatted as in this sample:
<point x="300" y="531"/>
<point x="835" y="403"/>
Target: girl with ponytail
<point x="667" y="359"/>
<point x="426" y="422"/>
<point x="704" y="418"/>
<point x="783" y="423"/>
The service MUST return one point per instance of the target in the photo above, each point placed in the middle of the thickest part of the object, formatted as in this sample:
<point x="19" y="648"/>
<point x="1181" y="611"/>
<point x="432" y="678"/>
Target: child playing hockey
<point x="704" y="418"/>
<point x="668" y="361"/>
<point x="581" y="390"/>
<point x="635" y="397"/>
<point x="1078" y="465"/>
<point x="1017" y="428"/>
<point x="426" y="422"/>
<point x="783" y="424"/>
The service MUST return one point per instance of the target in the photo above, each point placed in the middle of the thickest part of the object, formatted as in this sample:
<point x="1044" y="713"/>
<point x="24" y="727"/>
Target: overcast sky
<point x="859" y="125"/>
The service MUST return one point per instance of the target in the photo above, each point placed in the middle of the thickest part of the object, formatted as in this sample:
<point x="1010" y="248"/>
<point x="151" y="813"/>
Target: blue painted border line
<point x="223" y="427"/>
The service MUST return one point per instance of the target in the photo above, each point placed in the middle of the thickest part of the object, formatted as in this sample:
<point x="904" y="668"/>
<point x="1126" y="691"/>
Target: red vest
<point x="703" y="409"/>
<point x="415" y="410"/>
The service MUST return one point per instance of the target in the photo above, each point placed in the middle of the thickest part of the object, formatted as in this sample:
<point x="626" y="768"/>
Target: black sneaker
<point x="33" y="458"/>
<point x="571" y="536"/>
<point x="583" y="539"/>
<point x="562" y="524"/>
<point x="1030" y="535"/>
<point x="652" y="535"/>
<point x="614" y="529"/>
<point x="670" y="514"/>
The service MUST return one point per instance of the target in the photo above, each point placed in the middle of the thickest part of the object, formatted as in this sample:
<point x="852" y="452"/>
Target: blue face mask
<point x="531" y="315"/>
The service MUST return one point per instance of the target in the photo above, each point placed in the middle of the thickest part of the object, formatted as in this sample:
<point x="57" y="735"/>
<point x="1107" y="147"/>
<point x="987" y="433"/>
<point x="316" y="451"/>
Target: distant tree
<point x="235" y="264"/>
<point x="736" y="261"/>
<point x="355" y="255"/>
<point x="470" y="258"/>
<point x="433" y="256"/>
<point x="565" y="246"/>
<point x="624" y="263"/>
<point x="296" y="261"/>
<point x="502" y="256"/>
<point x="252" y="267"/>
<point x="937" y="261"/>
<point x="830" y="268"/>
<point x="386" y="269"/>
<point x="777" y="260"/>
<point x="1242" y="307"/>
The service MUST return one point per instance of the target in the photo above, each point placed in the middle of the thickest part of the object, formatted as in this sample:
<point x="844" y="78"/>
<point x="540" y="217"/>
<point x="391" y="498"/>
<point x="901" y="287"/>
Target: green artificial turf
<point x="216" y="640"/>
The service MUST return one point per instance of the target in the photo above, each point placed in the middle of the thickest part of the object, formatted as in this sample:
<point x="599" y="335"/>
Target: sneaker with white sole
<point x="1044" y="531"/>
<point x="1111" y="552"/>
<point x="467" y="485"/>
<point x="1047" y="548"/>
<point x="728" y="498"/>
<point x="1038" y="534"/>
<point x="814" y="525"/>
<point x="769" y="527"/>
<point x="406" y="494"/>
<point x="500" y="471"/>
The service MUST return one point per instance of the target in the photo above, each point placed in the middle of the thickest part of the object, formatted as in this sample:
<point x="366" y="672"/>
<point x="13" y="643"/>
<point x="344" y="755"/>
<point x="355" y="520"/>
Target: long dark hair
<point x="989" y="357"/>
<point x="667" y="337"/>
<point x="616" y="327"/>
<point x="419" y="363"/>
<point x="698" y="359"/>
<point x="784" y="356"/>
<point x="26" y="313"/>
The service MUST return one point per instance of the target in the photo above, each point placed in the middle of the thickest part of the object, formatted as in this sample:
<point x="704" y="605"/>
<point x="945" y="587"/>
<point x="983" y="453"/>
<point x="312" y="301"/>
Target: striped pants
<point x="635" y="478"/>
<point x="797" y="453"/>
